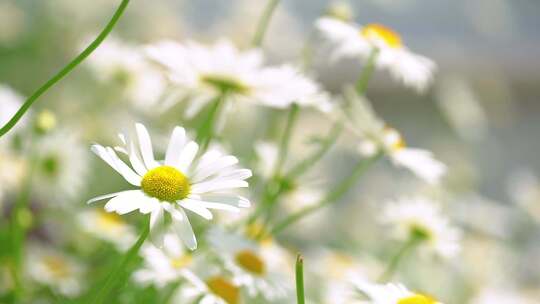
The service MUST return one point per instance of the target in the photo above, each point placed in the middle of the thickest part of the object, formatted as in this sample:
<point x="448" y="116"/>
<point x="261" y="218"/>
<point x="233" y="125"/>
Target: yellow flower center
<point x="166" y="184"/>
<point x="250" y="262"/>
<point x="181" y="261"/>
<point x="393" y="140"/>
<point x="224" y="289"/>
<point x="225" y="83"/>
<point x="57" y="266"/>
<point x="417" y="299"/>
<point x="109" y="221"/>
<point x="378" y="32"/>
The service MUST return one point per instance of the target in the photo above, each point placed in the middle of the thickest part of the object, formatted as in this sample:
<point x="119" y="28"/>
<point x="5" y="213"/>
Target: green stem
<point x="285" y="139"/>
<point x="367" y="72"/>
<point x="68" y="68"/>
<point x="330" y="198"/>
<point x="394" y="262"/>
<point x="117" y="272"/>
<point x="206" y="131"/>
<point x="300" y="280"/>
<point x="264" y="22"/>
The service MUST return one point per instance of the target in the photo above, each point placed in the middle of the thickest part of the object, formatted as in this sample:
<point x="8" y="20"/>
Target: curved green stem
<point x="367" y="72"/>
<point x="394" y="262"/>
<point x="118" y="272"/>
<point x="68" y="68"/>
<point x="300" y="298"/>
<point x="206" y="131"/>
<point x="264" y="22"/>
<point x="330" y="198"/>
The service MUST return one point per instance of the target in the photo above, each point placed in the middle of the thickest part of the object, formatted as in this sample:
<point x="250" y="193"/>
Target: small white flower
<point x="164" y="265"/>
<point x="177" y="183"/>
<point x="205" y="73"/>
<point x="257" y="266"/>
<point x="212" y="289"/>
<point x="421" y="218"/>
<point x="10" y="102"/>
<point x="117" y="61"/>
<point x="352" y="40"/>
<point x="376" y="136"/>
<point x="55" y="270"/>
<point x="393" y="294"/>
<point x="12" y="170"/>
<point x="109" y="227"/>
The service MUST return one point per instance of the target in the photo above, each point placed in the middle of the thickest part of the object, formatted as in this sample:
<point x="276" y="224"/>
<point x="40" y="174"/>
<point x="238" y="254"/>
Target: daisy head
<point x="207" y="72"/>
<point x="180" y="182"/>
<point x="259" y="267"/>
<point x="209" y="287"/>
<point x="422" y="220"/>
<point x="393" y="294"/>
<point x="352" y="40"/>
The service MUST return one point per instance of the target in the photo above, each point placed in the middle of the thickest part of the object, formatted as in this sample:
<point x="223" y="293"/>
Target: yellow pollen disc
<point x="57" y="266"/>
<point x="417" y="299"/>
<point x="250" y="262"/>
<point x="224" y="289"/>
<point x="380" y="32"/>
<point x="166" y="184"/>
<point x="181" y="261"/>
<point x="109" y="221"/>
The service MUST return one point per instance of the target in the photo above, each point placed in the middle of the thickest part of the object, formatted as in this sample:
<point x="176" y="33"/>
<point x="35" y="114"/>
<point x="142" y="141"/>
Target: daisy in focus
<point x="393" y="294"/>
<point x="55" y="270"/>
<point x="106" y="226"/>
<point x="353" y="40"/>
<point x="175" y="184"/>
<point x="164" y="265"/>
<point x="260" y="267"/>
<point x="377" y="137"/>
<point x="421" y="220"/>
<point x="206" y="73"/>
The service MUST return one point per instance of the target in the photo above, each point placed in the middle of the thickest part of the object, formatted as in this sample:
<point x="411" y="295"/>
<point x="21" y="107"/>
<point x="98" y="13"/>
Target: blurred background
<point x="481" y="116"/>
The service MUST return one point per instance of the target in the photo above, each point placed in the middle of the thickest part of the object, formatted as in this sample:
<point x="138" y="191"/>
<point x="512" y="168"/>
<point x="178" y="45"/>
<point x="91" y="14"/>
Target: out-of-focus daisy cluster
<point x="400" y="177"/>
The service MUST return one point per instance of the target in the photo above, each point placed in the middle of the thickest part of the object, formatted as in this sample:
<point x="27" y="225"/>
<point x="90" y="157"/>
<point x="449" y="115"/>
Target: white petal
<point x="214" y="205"/>
<point x="155" y="216"/>
<point x="129" y="175"/>
<point x="136" y="162"/>
<point x="217" y="186"/>
<point x="196" y="208"/>
<point x="188" y="154"/>
<point x="213" y="167"/>
<point x="174" y="150"/>
<point x="182" y="226"/>
<point x="125" y="202"/>
<point x="229" y="199"/>
<point x="105" y="196"/>
<point x="145" y="144"/>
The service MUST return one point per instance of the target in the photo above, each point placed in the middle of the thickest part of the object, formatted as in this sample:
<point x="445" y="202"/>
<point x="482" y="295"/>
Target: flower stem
<point x="117" y="273"/>
<point x="66" y="70"/>
<point x="286" y="138"/>
<point x="300" y="280"/>
<point x="330" y="198"/>
<point x="264" y="22"/>
<point x="394" y="262"/>
<point x="367" y="72"/>
<point x="206" y="131"/>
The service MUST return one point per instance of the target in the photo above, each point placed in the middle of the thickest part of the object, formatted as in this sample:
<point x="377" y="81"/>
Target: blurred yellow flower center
<point x="417" y="299"/>
<point x="225" y="83"/>
<point x="166" y="184"/>
<point x="380" y="32"/>
<point x="393" y="140"/>
<point x="250" y="262"/>
<point x="109" y="221"/>
<point x="181" y="261"/>
<point x="224" y="289"/>
<point x="57" y="266"/>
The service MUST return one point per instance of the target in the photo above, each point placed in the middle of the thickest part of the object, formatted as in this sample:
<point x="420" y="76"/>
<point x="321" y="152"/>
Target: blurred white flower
<point x="54" y="269"/>
<point x="260" y="267"/>
<point x="177" y="183"/>
<point x="164" y="265"/>
<point x="61" y="167"/>
<point x="421" y="219"/>
<point x="376" y="136"/>
<point x="116" y="61"/>
<point x="353" y="40"/>
<point x="12" y="170"/>
<point x="211" y="289"/>
<point x="204" y="73"/>
<point x="109" y="227"/>
<point x="10" y="102"/>
<point x="524" y="189"/>
<point x="393" y="294"/>
<point x="496" y="295"/>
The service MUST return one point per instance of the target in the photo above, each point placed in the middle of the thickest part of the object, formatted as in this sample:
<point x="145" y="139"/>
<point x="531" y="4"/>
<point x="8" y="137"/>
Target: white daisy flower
<point x="376" y="136"/>
<point x="393" y="294"/>
<point x="164" y="265"/>
<point x="55" y="270"/>
<point x="177" y="183"/>
<point x="124" y="64"/>
<point x="109" y="227"/>
<point x="353" y="40"/>
<point x="213" y="289"/>
<point x="62" y="164"/>
<point x="260" y="267"/>
<point x="422" y="219"/>
<point x="205" y="73"/>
